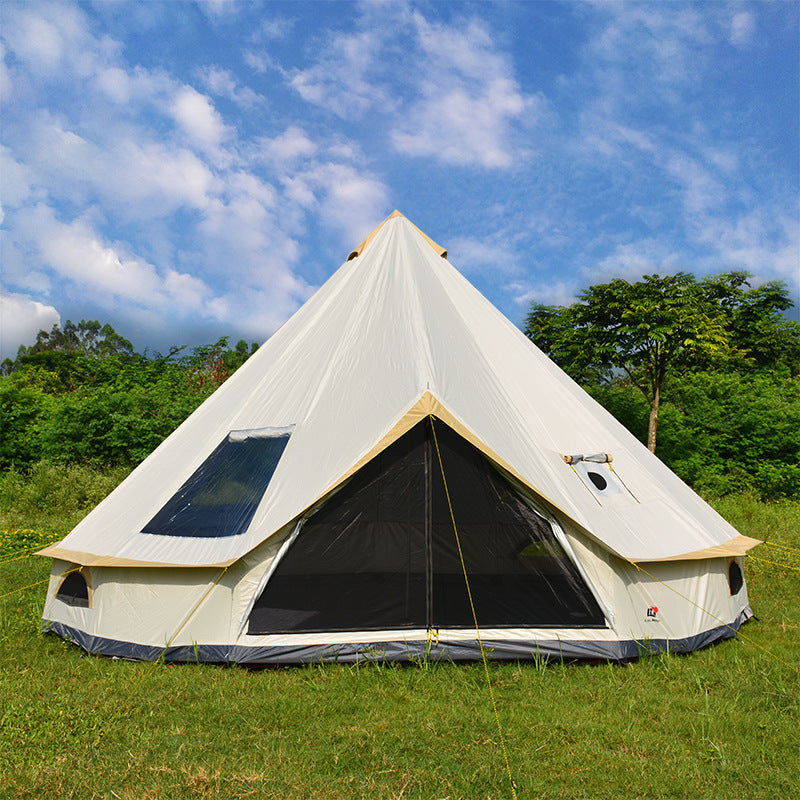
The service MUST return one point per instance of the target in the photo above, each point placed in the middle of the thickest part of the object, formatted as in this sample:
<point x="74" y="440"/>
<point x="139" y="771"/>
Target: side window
<point x="221" y="496"/>
<point x="735" y="577"/>
<point x="74" y="590"/>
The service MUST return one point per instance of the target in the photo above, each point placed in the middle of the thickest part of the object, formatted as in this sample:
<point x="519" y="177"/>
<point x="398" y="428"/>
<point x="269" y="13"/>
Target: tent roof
<point x="396" y="333"/>
<point x="357" y="252"/>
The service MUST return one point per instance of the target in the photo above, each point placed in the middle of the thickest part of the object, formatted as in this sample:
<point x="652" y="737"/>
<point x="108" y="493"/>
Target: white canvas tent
<point x="300" y="513"/>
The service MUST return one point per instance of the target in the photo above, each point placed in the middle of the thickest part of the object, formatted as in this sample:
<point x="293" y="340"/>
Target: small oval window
<point x="735" y="577"/>
<point x="598" y="480"/>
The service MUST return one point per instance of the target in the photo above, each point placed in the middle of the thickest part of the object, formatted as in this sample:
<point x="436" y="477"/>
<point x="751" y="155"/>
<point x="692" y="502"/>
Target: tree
<point x="88" y="338"/>
<point x="645" y="330"/>
<point x="759" y="331"/>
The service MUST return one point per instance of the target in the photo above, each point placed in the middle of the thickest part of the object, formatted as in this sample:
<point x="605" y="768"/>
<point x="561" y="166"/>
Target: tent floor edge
<point x="413" y="651"/>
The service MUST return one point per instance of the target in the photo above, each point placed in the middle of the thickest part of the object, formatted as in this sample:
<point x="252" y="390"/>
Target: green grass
<point x="721" y="722"/>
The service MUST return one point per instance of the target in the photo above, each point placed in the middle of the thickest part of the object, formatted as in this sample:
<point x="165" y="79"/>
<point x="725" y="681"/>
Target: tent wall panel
<point x="149" y="606"/>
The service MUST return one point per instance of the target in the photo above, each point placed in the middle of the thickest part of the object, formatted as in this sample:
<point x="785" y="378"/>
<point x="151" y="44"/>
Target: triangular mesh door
<point x="381" y="554"/>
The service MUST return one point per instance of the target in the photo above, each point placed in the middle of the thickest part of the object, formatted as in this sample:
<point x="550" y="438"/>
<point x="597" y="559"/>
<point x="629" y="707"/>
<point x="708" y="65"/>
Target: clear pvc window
<point x="221" y="496"/>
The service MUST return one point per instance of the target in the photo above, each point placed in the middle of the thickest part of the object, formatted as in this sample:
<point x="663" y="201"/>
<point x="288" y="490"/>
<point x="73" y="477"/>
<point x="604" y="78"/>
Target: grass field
<point x="719" y="723"/>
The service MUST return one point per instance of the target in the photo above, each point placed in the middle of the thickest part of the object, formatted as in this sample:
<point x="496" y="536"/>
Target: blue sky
<point x="188" y="170"/>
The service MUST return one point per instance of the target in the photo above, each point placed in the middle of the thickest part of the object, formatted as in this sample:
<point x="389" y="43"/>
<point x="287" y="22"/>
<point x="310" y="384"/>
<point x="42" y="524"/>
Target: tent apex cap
<point x="360" y="249"/>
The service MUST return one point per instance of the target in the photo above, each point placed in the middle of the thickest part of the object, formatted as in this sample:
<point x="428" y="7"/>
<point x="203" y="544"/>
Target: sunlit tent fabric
<point x="394" y="441"/>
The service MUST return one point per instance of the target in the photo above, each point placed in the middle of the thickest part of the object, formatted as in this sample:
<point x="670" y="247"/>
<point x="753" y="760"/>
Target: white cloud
<point x="154" y="177"/>
<point x="764" y="241"/>
<point x="135" y="90"/>
<point x="743" y="28"/>
<point x="346" y="77"/>
<point x="53" y="41"/>
<point x="448" y="91"/>
<point x="5" y="77"/>
<point x="218" y="7"/>
<point x="36" y="40"/>
<point x="352" y="202"/>
<point x="721" y="158"/>
<point x="240" y="232"/>
<point x="260" y="62"/>
<point x="134" y="175"/>
<point x="469" y="101"/>
<point x="15" y="185"/>
<point x="21" y="318"/>
<point x="345" y="198"/>
<point x="256" y="312"/>
<point x="115" y="84"/>
<point x="494" y="253"/>
<point x="604" y="133"/>
<point x="196" y="115"/>
<point x="702" y="191"/>
<point x="131" y="167"/>
<point x="222" y="83"/>
<point x="255" y="230"/>
<point x="326" y="179"/>
<point x="473" y="254"/>
<point x="125" y="170"/>
<point x="299" y="191"/>
<point x="77" y="254"/>
<point x="551" y="293"/>
<point x="291" y="145"/>
<point x="646" y="65"/>
<point x="274" y="27"/>
<point x="21" y="270"/>
<point x="631" y="260"/>
<point x="185" y="292"/>
<point x="663" y="45"/>
<point x="461" y="127"/>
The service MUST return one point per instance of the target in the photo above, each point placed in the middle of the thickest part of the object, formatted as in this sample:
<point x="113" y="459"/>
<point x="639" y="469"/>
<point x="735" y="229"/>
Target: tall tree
<point x="755" y="317"/>
<point x="645" y="330"/>
<point x="89" y="338"/>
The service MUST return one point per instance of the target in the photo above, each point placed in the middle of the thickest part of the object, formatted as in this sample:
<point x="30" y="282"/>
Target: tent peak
<point x="360" y="249"/>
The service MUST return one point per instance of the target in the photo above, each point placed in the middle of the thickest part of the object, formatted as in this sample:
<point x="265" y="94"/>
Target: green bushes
<point x="102" y="406"/>
<point x="111" y="427"/>
<point x="100" y="424"/>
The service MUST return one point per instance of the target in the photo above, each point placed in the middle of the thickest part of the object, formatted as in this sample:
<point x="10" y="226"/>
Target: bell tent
<point x="395" y="467"/>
